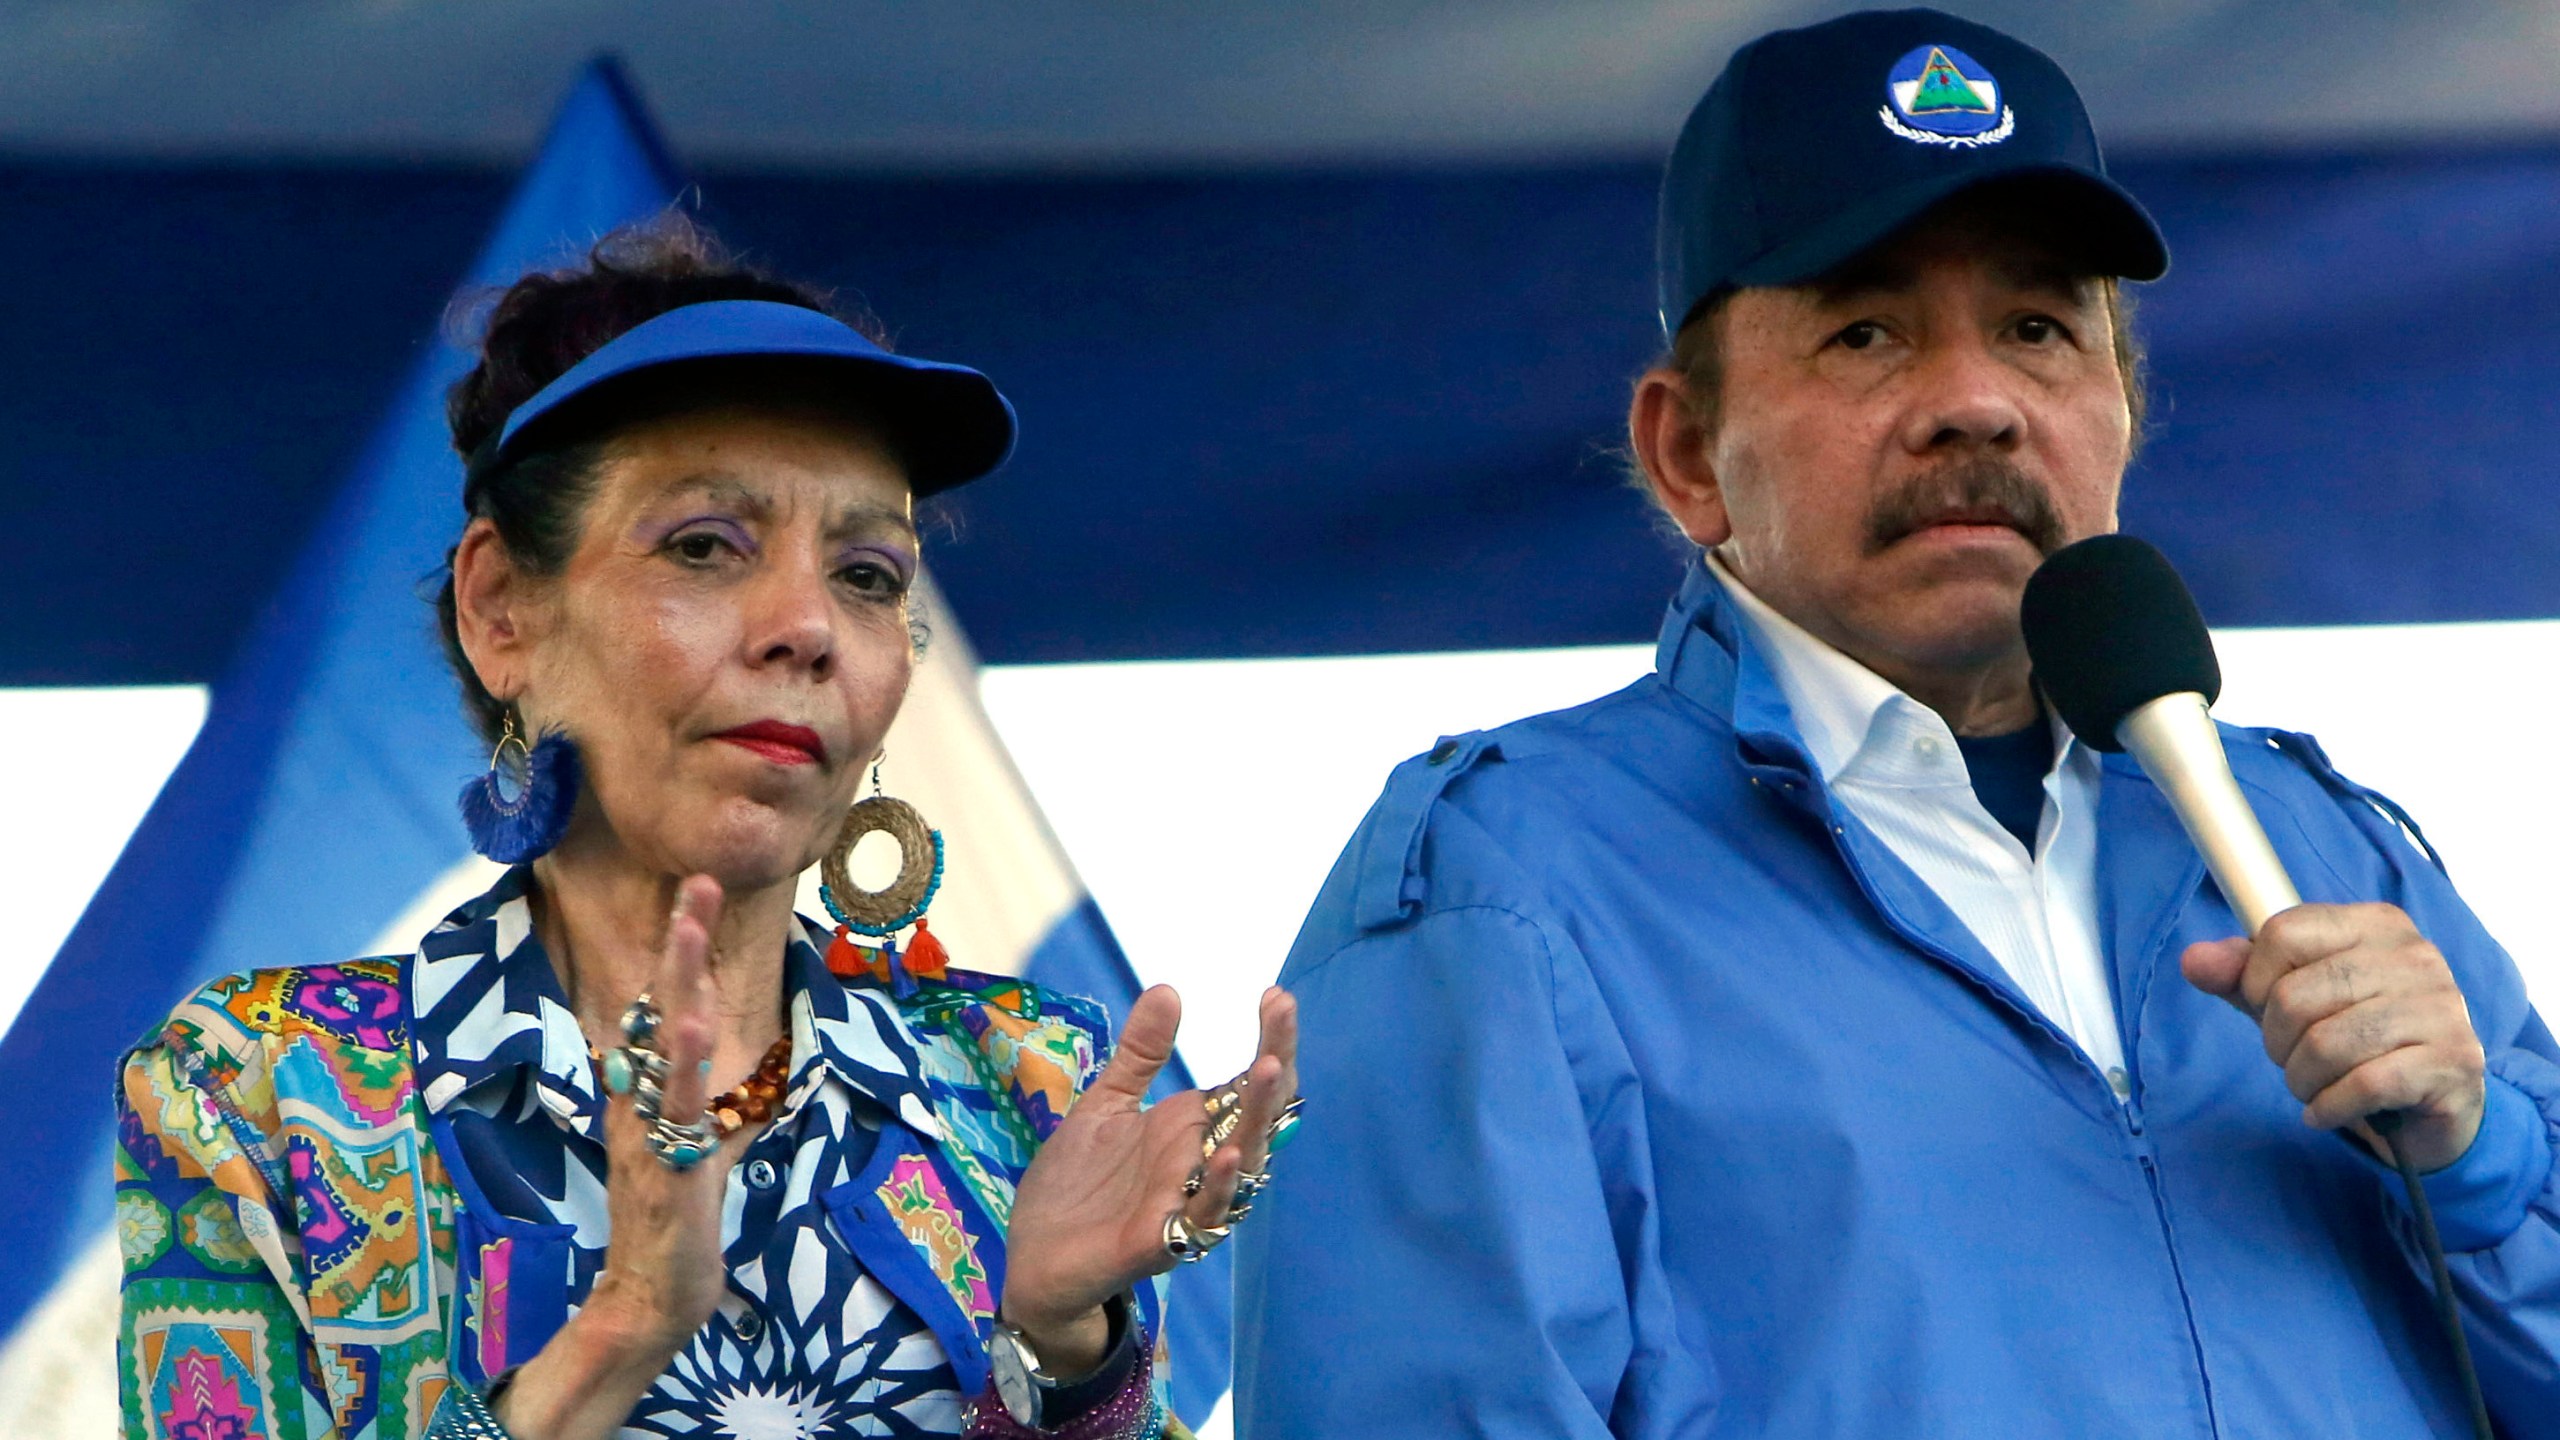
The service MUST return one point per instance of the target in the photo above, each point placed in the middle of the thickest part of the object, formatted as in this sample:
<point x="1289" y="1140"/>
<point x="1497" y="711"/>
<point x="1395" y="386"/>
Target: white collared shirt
<point x="1894" y="763"/>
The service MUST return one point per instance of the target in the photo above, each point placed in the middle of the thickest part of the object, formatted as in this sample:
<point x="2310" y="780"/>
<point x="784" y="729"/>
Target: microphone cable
<point x="2448" y="1310"/>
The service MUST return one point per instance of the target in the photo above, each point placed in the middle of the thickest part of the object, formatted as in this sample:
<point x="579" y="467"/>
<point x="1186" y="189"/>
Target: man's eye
<point x="1860" y="335"/>
<point x="2039" y="329"/>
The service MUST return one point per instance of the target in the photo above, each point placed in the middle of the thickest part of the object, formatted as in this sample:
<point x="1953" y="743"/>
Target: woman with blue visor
<point x="627" y="1146"/>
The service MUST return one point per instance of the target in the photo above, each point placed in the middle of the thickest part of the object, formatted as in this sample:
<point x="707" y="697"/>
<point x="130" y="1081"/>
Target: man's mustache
<point x="1985" y="489"/>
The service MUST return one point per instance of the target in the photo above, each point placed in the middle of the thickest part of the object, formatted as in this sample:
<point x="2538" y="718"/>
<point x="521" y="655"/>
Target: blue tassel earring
<point x="513" y="831"/>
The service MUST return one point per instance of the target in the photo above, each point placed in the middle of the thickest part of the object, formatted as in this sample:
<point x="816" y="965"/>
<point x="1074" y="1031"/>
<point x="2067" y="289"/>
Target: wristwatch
<point x="1042" y="1401"/>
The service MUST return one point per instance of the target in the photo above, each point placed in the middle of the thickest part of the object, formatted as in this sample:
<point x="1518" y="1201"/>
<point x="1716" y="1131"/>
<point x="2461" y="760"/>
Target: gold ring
<point x="1187" y="1242"/>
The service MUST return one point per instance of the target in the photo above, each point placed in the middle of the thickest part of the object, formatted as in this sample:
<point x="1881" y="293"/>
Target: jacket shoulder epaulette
<point x="2372" y="811"/>
<point x="1388" y="886"/>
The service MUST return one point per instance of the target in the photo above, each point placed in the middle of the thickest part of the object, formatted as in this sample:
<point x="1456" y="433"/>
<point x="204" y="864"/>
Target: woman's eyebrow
<point x="870" y="519"/>
<point x="720" y="489"/>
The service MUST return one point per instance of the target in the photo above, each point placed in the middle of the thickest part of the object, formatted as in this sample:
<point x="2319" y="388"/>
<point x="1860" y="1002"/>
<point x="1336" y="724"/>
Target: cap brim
<point x="948" y="423"/>
<point x="2107" y="229"/>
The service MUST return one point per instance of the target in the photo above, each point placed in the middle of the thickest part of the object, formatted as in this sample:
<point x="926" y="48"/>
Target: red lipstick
<point x="782" y="744"/>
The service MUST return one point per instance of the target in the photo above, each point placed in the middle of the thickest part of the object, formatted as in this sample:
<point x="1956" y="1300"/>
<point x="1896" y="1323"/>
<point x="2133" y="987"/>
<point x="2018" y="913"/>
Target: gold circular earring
<point x="903" y="901"/>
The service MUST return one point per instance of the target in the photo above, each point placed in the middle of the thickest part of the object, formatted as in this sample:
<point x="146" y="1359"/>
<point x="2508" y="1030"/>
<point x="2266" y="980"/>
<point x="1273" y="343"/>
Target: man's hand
<point x="2364" y="1016"/>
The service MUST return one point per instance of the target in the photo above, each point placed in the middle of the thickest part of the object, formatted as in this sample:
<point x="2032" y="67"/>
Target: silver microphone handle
<point x="2174" y="740"/>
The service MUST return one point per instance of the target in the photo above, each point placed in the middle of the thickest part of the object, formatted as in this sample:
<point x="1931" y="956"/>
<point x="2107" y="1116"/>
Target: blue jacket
<point x="1650" y="1095"/>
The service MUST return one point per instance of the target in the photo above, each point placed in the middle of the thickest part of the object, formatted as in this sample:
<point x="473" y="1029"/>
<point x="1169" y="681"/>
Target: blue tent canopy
<point x="1275" y="414"/>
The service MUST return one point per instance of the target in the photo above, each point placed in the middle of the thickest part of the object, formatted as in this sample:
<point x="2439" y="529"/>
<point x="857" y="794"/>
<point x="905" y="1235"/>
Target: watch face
<point x="1011" y="1366"/>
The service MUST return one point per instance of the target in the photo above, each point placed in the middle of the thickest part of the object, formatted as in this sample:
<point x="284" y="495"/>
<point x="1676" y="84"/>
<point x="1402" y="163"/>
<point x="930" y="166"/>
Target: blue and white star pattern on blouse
<point x="807" y="1342"/>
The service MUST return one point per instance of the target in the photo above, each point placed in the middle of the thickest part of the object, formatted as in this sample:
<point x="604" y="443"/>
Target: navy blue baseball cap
<point x="1814" y="144"/>
<point x="948" y="423"/>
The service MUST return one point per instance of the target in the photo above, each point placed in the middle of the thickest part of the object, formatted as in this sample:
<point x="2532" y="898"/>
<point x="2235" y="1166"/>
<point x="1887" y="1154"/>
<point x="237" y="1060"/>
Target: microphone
<point x="2121" y="650"/>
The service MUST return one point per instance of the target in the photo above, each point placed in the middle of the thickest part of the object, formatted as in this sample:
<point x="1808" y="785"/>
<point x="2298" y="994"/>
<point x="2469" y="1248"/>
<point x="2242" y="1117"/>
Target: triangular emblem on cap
<point x="1939" y="95"/>
<point x="1943" y="89"/>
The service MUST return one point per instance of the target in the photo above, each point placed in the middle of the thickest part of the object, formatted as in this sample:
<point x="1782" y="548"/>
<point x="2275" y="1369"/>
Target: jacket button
<point x="749" y="1325"/>
<point x="1441" y="752"/>
<point x="760" y="1174"/>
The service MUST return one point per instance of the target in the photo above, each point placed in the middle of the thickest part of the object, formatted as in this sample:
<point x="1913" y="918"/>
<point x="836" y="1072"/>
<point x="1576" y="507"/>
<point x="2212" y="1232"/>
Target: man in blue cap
<point x="1812" y="1039"/>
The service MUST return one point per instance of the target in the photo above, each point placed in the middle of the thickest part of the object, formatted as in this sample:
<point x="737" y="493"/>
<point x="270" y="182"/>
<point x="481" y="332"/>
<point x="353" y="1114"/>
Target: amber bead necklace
<point x="750" y="1101"/>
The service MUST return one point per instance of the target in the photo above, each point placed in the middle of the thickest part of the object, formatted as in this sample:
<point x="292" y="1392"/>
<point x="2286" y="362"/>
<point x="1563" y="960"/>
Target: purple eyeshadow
<point x="897" y="560"/>
<point x="730" y="529"/>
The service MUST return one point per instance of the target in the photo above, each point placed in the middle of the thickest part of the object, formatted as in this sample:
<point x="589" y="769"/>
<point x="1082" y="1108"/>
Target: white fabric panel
<point x="58" y="1374"/>
<point x="84" y="765"/>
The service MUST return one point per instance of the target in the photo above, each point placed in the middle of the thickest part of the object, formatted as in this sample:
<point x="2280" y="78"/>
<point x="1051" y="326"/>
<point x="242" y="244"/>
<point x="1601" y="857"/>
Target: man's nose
<point x="1966" y="397"/>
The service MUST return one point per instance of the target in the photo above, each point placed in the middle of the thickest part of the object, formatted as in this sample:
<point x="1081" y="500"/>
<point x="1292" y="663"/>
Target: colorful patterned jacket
<point x="308" y="1254"/>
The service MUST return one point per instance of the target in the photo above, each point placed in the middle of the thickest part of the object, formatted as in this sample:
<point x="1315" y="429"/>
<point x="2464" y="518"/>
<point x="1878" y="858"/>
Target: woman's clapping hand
<point x="1092" y="1213"/>
<point x="664" y="1274"/>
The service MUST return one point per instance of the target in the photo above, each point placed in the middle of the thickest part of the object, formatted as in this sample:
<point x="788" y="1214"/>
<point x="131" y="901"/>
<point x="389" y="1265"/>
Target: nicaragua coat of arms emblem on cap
<point x="1939" y="95"/>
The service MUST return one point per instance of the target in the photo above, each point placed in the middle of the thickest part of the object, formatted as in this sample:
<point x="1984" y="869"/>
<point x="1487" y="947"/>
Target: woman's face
<point x="729" y="641"/>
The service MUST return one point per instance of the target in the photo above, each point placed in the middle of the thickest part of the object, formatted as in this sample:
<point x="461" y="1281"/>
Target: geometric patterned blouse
<point x="341" y="1188"/>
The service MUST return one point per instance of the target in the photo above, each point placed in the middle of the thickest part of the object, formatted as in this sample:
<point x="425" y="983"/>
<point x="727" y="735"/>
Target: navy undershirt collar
<point x="2008" y="773"/>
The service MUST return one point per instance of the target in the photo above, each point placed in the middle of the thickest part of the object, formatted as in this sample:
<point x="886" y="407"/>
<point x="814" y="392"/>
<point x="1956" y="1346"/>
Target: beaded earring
<point x="545" y="778"/>
<point x="881" y="914"/>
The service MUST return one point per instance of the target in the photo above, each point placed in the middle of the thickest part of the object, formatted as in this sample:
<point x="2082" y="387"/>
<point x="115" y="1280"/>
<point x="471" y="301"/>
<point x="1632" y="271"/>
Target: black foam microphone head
<point x="2111" y="628"/>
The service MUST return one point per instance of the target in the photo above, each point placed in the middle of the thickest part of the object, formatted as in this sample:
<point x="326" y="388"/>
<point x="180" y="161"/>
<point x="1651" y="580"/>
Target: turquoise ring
<point x="1285" y="1127"/>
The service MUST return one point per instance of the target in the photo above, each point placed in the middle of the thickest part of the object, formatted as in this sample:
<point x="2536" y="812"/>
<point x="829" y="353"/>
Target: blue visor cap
<point x="1814" y="144"/>
<point x="948" y="423"/>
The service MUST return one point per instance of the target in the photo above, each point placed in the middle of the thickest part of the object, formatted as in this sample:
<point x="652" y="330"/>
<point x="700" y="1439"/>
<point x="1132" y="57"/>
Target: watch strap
<point x="1115" y="1401"/>
<point x="1064" y="1400"/>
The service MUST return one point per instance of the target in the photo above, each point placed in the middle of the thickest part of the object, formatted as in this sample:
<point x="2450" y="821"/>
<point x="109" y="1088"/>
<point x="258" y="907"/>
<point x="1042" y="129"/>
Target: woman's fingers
<point x="1280" y="1038"/>
<point x="1279" y="1014"/>
<point x="1146" y="1043"/>
<point x="1272" y="1082"/>
<point x="1261" y="1094"/>
<point x="685" y="1000"/>
<point x="1217" y="1189"/>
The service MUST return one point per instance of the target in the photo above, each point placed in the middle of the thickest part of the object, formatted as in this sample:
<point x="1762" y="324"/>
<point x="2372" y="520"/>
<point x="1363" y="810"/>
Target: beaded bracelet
<point x="1133" y="1414"/>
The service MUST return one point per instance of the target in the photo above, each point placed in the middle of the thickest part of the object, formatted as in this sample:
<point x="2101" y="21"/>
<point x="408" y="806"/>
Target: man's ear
<point x="491" y="608"/>
<point x="1671" y="444"/>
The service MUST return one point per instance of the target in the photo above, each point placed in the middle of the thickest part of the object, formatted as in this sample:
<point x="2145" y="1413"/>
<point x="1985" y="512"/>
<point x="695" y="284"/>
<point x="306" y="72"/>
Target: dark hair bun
<point x="546" y="322"/>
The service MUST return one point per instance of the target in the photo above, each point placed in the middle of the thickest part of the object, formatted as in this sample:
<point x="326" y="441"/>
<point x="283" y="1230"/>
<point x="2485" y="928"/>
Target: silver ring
<point x="1249" y="1185"/>
<point x="648" y="1080"/>
<point x="1187" y="1242"/>
<point x="681" y="1147"/>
